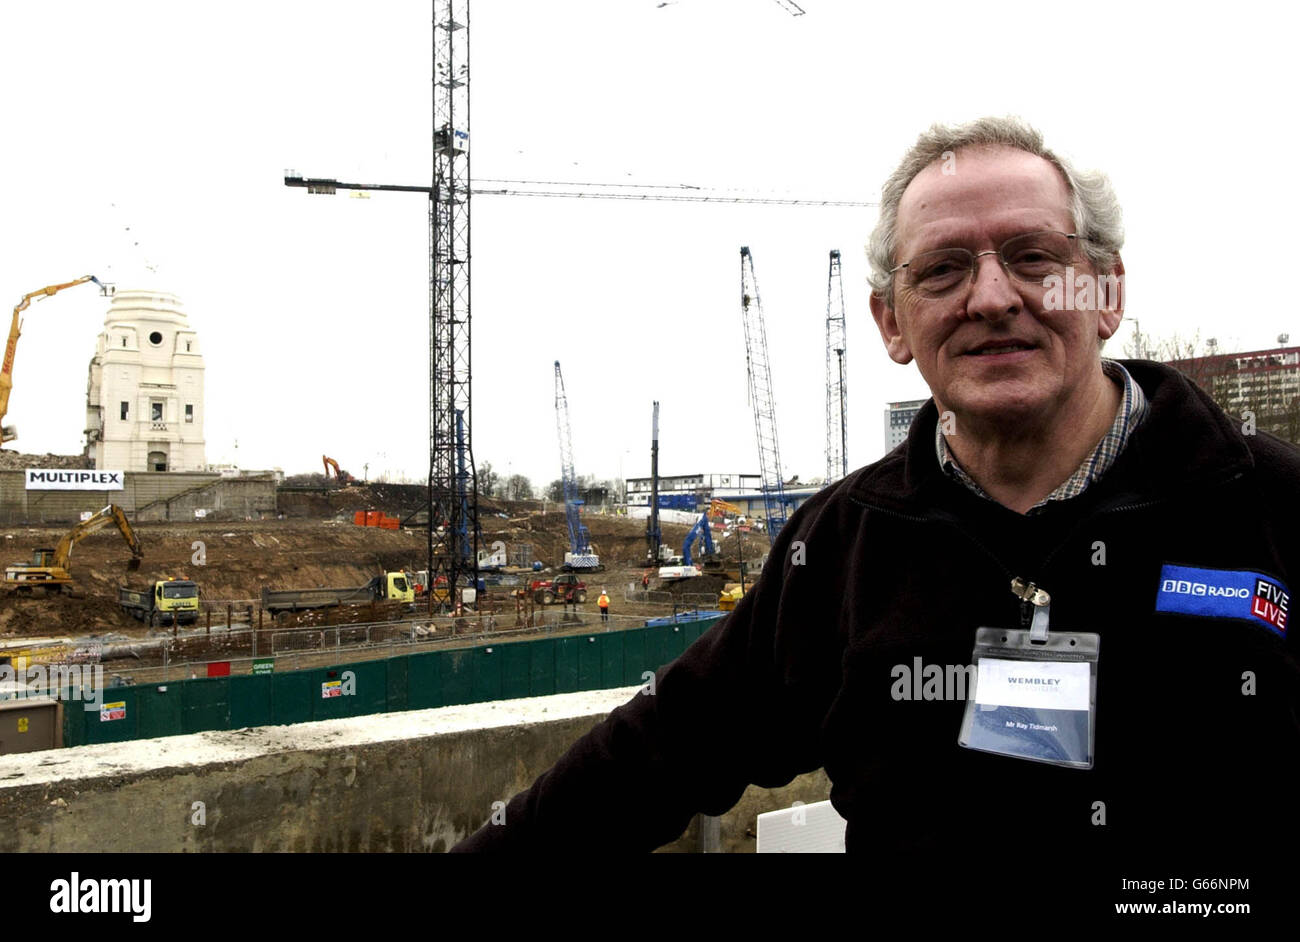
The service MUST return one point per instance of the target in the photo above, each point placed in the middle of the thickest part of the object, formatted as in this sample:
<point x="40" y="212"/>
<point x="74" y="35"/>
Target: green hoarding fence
<point x="404" y="682"/>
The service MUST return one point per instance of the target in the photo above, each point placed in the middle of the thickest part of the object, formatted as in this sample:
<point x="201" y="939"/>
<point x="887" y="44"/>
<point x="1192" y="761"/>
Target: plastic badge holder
<point x="1034" y="699"/>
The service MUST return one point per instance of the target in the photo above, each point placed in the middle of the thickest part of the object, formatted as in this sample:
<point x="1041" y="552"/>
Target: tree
<point x="487" y="480"/>
<point x="555" y="490"/>
<point x="519" y="487"/>
<point x="1237" y="384"/>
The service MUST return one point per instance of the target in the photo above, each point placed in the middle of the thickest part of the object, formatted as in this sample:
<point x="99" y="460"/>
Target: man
<point x="603" y="602"/>
<point x="1043" y="489"/>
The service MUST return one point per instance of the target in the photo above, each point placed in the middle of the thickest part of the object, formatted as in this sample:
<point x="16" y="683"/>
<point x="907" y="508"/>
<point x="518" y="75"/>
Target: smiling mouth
<point x="1000" y="349"/>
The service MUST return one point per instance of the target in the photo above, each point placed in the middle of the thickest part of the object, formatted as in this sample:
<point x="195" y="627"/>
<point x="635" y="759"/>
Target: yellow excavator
<point x="49" y="567"/>
<point x="9" y="433"/>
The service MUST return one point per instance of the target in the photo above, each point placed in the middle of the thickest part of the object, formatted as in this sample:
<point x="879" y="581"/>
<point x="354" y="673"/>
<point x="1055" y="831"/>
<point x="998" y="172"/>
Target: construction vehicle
<point x="566" y="587"/>
<point x="580" y="556"/>
<point x="49" y="567"/>
<point x="688" y="566"/>
<point x="341" y="476"/>
<point x="166" y="602"/>
<point x="8" y="432"/>
<point x="730" y="596"/>
<point x="391" y="587"/>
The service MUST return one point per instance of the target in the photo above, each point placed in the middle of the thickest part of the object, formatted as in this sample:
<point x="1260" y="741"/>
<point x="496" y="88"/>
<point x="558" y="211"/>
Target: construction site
<point x="142" y="557"/>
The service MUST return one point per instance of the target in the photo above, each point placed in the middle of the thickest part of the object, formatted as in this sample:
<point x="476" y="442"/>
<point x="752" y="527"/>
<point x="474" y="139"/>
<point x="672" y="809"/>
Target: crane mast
<point x="760" y="397"/>
<point x="653" y="537"/>
<point x="580" y="555"/>
<point x="837" y="458"/>
<point x="453" y="480"/>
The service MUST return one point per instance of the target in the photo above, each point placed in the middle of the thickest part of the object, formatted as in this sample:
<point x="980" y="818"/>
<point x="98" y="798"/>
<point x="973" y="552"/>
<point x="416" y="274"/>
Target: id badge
<point x="1034" y="698"/>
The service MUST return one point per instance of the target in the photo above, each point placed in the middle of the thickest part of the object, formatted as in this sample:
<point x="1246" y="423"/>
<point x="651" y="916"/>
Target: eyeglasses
<point x="1029" y="258"/>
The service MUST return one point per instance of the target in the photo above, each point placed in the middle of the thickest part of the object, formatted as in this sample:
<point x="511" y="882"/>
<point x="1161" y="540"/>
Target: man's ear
<point x="1110" y="300"/>
<point x="887" y="322"/>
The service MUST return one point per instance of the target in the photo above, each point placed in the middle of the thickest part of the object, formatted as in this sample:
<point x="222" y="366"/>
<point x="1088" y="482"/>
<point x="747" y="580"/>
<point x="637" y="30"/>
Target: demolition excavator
<point x="7" y="432"/>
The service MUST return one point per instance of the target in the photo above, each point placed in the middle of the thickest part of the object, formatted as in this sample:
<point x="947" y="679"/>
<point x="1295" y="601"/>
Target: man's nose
<point x="992" y="296"/>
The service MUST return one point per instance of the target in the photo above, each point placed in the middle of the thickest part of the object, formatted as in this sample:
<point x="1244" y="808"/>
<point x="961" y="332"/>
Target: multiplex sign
<point x="39" y="479"/>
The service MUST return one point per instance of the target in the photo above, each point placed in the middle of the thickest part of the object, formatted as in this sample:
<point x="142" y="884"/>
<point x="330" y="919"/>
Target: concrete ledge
<point x="414" y="781"/>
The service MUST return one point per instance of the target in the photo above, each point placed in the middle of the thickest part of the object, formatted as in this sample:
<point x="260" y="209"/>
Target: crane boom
<point x="837" y="459"/>
<point x="580" y="555"/>
<point x="15" y="331"/>
<point x="760" y="396"/>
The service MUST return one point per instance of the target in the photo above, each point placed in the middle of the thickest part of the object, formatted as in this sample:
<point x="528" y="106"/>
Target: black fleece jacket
<point x="897" y="561"/>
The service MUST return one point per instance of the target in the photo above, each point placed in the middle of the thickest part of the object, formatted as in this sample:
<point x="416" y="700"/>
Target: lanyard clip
<point x="1042" y="602"/>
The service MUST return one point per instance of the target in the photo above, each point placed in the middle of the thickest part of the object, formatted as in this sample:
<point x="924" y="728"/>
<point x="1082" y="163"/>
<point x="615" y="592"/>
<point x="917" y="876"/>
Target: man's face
<point x="995" y="193"/>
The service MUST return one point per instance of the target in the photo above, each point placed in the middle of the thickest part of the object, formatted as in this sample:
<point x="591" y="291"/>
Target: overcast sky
<point x="177" y="121"/>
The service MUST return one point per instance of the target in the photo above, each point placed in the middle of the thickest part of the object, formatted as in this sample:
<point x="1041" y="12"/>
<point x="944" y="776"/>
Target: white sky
<point x="178" y="120"/>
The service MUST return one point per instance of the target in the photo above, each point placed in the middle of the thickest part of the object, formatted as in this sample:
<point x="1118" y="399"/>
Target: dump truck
<point x="390" y="587"/>
<point x="166" y="602"/>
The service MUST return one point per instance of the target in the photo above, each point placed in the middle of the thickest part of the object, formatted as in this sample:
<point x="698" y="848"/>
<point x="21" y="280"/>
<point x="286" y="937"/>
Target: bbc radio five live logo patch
<point x="1224" y="593"/>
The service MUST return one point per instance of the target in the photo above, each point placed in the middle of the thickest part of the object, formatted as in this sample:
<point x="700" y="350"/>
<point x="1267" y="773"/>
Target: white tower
<point x="144" y="396"/>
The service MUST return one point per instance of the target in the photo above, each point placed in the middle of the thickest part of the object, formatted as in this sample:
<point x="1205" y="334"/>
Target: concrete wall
<point x="233" y="498"/>
<point x="417" y="781"/>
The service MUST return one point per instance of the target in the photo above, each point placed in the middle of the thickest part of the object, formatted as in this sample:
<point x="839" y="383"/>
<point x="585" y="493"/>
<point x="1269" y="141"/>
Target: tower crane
<point x="9" y="433"/>
<point x="580" y="554"/>
<point x="760" y="397"/>
<point x="653" y="537"/>
<point x="837" y="458"/>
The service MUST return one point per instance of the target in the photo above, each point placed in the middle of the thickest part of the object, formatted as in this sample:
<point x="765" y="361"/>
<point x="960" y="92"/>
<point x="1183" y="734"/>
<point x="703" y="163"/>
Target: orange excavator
<point x="341" y="476"/>
<point x="9" y="433"/>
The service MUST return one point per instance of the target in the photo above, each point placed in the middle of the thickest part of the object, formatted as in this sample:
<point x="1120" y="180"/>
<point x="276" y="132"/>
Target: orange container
<point x="373" y="517"/>
<point x="390" y="523"/>
<point x="359" y="518"/>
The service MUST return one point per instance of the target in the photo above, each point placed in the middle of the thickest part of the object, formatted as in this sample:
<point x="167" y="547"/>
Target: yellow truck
<point x="166" y="602"/>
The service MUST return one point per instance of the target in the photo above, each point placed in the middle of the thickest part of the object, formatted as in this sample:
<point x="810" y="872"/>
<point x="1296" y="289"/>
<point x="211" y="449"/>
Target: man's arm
<point x="736" y="708"/>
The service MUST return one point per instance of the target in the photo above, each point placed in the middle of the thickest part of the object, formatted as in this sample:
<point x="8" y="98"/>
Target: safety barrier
<point x="404" y="682"/>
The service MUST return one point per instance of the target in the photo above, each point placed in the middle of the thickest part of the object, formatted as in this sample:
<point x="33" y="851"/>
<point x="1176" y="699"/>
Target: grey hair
<point x="1094" y="206"/>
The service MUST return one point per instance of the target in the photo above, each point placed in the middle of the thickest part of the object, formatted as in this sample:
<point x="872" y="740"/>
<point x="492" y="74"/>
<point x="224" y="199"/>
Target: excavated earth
<point x="233" y="561"/>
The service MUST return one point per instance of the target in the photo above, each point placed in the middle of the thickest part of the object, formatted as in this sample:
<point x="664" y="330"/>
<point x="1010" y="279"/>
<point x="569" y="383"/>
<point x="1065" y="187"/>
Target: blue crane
<point x="581" y="554"/>
<point x="760" y="397"/>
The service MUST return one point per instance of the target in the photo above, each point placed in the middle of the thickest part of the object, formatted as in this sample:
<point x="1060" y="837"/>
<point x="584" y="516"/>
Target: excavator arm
<point x="15" y="330"/>
<point x="110" y="514"/>
<point x="720" y="508"/>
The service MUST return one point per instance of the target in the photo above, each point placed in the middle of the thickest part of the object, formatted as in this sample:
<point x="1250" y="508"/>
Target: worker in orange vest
<point x="603" y="602"/>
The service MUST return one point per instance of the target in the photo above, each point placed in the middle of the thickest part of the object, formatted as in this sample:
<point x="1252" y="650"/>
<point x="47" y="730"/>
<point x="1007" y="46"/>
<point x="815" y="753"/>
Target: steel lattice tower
<point x="760" y="396"/>
<point x="453" y="480"/>
<point x="837" y="458"/>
